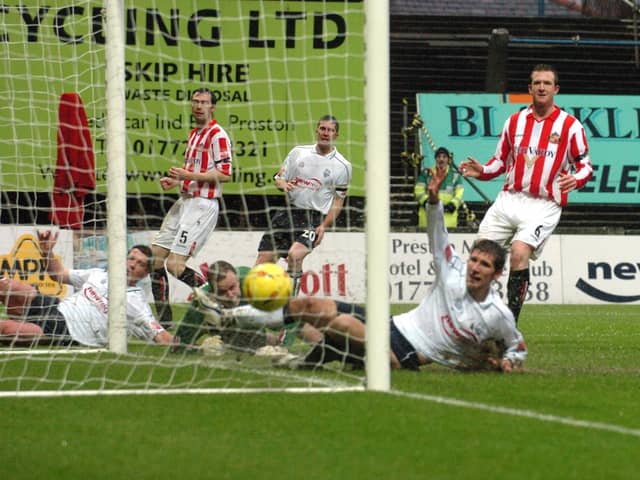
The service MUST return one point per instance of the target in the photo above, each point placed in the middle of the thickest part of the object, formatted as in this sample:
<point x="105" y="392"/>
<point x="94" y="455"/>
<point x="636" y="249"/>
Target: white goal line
<point x="176" y="391"/>
<point x="43" y="351"/>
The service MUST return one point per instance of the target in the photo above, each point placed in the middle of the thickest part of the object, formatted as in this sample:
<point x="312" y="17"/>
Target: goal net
<point x="275" y="67"/>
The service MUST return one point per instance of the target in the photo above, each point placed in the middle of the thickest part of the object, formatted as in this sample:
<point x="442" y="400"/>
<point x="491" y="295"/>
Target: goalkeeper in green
<point x="222" y="290"/>
<point x="217" y="308"/>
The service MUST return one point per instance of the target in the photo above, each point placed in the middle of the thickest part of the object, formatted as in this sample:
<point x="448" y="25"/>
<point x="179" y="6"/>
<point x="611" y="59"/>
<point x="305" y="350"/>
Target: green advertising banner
<point x="274" y="66"/>
<point x="469" y="125"/>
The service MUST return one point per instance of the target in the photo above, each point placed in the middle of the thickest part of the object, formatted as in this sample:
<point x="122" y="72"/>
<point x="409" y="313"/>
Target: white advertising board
<point x="600" y="269"/>
<point x="573" y="269"/>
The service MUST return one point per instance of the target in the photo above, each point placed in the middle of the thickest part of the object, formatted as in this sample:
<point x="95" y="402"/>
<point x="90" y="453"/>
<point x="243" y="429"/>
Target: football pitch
<point x="573" y="413"/>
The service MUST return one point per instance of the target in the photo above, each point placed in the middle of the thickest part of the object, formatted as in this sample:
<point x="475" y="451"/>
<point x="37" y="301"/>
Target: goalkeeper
<point x="222" y="291"/>
<point x="217" y="308"/>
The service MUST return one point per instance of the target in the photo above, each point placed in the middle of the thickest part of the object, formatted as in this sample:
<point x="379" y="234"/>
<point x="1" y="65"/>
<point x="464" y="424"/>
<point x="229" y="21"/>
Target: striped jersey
<point x="533" y="153"/>
<point x="86" y="310"/>
<point x="318" y="178"/>
<point x="207" y="149"/>
<point x="449" y="326"/>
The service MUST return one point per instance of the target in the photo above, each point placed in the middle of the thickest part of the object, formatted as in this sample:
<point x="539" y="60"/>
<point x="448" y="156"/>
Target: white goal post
<point x="116" y="138"/>
<point x="377" y="157"/>
<point x="275" y="66"/>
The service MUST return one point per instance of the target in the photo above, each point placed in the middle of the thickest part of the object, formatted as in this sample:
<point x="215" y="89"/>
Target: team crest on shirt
<point x="530" y="160"/>
<point x="554" y="138"/>
<point x="326" y="173"/>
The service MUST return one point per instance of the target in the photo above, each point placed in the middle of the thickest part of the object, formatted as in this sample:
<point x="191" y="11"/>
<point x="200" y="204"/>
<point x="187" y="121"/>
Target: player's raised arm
<point x="47" y="239"/>
<point x="433" y="189"/>
<point x="436" y="229"/>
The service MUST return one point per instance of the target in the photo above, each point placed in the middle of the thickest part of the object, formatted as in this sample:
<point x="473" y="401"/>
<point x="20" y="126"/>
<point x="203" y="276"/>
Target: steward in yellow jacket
<point x="451" y="191"/>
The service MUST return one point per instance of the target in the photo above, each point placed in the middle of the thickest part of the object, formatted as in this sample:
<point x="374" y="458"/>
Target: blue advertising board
<point x="470" y="124"/>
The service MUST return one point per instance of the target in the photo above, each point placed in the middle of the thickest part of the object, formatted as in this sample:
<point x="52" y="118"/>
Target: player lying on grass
<point x="222" y="291"/>
<point x="218" y="309"/>
<point x="462" y="318"/>
<point x="462" y="323"/>
<point x="221" y="294"/>
<point x="80" y="318"/>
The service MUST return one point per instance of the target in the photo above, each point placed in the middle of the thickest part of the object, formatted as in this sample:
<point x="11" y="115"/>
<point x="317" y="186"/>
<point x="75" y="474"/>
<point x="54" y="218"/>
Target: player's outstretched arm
<point x="435" y="183"/>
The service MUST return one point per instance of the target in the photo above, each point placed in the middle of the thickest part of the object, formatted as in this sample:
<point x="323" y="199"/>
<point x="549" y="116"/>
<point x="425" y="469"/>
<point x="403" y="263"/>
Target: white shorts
<point x="188" y="224"/>
<point x="518" y="216"/>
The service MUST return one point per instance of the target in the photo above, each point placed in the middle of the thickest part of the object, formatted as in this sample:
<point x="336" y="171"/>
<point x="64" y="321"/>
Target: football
<point x="267" y="287"/>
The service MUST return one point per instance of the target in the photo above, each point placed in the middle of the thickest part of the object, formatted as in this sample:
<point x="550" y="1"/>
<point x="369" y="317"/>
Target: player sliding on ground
<point x="462" y="323"/>
<point x="222" y="291"/>
<point x="80" y="318"/>
<point x="218" y="310"/>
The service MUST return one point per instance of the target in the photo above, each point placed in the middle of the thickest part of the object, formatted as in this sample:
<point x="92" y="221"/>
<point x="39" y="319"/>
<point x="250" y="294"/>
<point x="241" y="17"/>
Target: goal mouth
<point x="98" y="160"/>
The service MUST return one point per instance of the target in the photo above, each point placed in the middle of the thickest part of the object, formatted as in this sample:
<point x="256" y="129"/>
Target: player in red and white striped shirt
<point x="193" y="217"/>
<point x="544" y="155"/>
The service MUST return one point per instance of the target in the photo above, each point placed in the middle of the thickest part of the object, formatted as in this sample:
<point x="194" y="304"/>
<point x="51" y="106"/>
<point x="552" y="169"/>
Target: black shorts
<point x="403" y="350"/>
<point x="289" y="226"/>
<point x="342" y="307"/>
<point x="44" y="312"/>
<point x="352" y="309"/>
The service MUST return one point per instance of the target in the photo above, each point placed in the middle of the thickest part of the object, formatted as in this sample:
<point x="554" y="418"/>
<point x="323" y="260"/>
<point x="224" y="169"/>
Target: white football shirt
<point x="318" y="178"/>
<point x="86" y="310"/>
<point x="449" y="326"/>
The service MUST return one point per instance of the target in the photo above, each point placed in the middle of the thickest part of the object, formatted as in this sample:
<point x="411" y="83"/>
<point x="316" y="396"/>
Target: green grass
<point x="583" y="366"/>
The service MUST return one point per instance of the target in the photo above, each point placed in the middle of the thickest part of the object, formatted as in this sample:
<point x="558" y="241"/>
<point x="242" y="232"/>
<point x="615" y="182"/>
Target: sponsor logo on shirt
<point x="312" y="183"/>
<point x="458" y="334"/>
<point x="532" y="154"/>
<point x="95" y="298"/>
